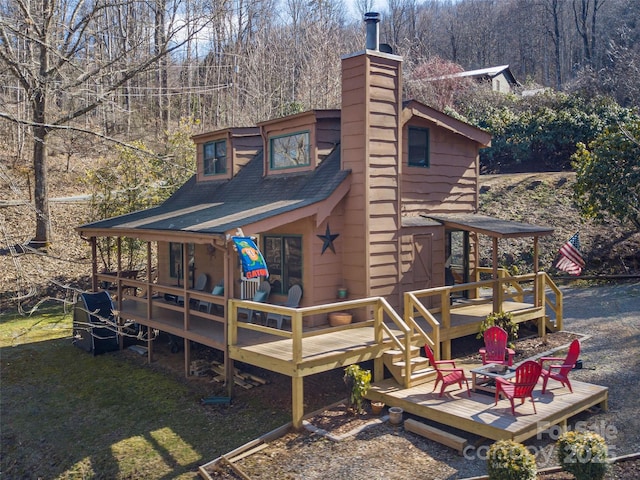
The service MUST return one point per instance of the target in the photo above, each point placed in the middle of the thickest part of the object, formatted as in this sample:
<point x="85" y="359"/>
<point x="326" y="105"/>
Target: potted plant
<point x="358" y="381"/>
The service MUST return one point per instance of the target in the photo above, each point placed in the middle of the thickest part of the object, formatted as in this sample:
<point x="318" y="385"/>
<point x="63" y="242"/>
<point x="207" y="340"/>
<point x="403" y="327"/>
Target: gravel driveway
<point x="608" y="315"/>
<point x="611" y="355"/>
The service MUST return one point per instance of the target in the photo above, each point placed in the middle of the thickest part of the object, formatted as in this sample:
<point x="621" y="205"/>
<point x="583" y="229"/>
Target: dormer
<point x="299" y="143"/>
<point x="221" y="154"/>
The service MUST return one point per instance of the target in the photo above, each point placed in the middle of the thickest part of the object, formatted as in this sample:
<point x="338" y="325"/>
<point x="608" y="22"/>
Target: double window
<point x="215" y="157"/>
<point x="418" y="147"/>
<point x="283" y="255"/>
<point x="290" y="151"/>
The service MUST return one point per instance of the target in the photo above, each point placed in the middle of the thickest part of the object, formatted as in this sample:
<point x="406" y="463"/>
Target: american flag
<point x="571" y="260"/>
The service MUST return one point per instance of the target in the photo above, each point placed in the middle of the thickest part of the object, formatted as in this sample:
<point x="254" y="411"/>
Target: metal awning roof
<point x="490" y="226"/>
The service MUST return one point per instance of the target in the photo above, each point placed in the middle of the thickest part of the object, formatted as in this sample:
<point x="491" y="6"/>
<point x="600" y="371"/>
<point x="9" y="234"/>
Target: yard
<point x="66" y="414"/>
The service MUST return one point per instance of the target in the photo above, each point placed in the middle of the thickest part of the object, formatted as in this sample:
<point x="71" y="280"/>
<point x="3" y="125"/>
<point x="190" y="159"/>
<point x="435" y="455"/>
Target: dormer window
<point x="215" y="158"/>
<point x="418" y="147"/>
<point x="290" y="151"/>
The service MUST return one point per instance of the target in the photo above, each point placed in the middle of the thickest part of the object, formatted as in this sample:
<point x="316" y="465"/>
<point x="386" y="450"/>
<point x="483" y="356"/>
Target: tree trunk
<point x="40" y="189"/>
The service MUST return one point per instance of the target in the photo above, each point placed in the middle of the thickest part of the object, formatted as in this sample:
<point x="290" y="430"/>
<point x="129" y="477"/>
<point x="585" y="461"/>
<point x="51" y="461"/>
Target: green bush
<point x="358" y="381"/>
<point x="503" y="320"/>
<point x="509" y="460"/>
<point x="583" y="454"/>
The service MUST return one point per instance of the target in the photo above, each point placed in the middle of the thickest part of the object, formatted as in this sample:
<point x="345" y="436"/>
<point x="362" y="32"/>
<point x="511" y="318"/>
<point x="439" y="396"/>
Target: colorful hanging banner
<point x="253" y="264"/>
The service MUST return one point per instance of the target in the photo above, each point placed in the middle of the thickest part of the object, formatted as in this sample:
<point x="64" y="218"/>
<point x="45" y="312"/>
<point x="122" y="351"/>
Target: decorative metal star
<point x="328" y="239"/>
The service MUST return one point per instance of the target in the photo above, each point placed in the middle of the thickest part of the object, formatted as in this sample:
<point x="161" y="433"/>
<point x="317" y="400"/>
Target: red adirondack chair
<point x="527" y="375"/>
<point x="495" y="348"/>
<point x="560" y="371"/>
<point x="448" y="376"/>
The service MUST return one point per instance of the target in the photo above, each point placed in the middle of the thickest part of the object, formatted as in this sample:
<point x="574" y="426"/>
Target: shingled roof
<point x="216" y="208"/>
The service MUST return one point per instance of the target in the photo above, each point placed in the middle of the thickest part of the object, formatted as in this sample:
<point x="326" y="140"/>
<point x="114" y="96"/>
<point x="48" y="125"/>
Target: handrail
<point x="381" y="332"/>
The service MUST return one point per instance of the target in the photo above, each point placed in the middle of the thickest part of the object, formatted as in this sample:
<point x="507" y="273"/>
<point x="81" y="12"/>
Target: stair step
<point x="422" y="376"/>
<point x="415" y="361"/>
<point x="398" y="355"/>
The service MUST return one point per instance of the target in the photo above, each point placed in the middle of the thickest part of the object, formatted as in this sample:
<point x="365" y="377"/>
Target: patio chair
<point x="560" y="371"/>
<point x="208" y="306"/>
<point x="527" y="375"/>
<point x="293" y="301"/>
<point x="495" y="348"/>
<point x="261" y="295"/>
<point x="448" y="376"/>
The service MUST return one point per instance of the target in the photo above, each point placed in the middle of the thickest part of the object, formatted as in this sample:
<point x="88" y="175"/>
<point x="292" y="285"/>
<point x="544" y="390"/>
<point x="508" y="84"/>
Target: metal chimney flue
<point x="373" y="41"/>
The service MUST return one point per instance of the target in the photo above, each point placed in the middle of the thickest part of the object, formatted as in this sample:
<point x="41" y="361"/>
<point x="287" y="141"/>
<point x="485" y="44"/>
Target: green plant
<point x="503" y="320"/>
<point x="583" y="454"/>
<point x="358" y="381"/>
<point x="509" y="460"/>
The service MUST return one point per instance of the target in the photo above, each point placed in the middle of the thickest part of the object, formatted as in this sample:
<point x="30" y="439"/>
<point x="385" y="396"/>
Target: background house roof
<point x="220" y="207"/>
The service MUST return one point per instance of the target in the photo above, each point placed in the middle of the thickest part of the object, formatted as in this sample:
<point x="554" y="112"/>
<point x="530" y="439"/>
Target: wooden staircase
<point x="419" y="370"/>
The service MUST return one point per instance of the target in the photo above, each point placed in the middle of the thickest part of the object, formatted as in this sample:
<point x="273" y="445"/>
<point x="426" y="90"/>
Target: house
<point x="379" y="197"/>
<point x="499" y="78"/>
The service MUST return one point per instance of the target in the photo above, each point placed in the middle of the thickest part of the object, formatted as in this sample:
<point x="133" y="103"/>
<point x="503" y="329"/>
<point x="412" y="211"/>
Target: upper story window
<point x="215" y="157"/>
<point x="418" y="147"/>
<point x="290" y="151"/>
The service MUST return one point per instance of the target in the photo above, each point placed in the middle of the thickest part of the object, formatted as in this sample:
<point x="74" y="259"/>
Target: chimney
<point x="373" y="35"/>
<point x="370" y="148"/>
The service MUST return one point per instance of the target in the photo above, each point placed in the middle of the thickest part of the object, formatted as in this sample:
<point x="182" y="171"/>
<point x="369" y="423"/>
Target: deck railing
<point x="376" y="311"/>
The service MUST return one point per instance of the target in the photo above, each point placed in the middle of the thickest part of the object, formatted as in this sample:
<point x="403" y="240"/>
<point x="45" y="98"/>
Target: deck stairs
<point x="419" y="369"/>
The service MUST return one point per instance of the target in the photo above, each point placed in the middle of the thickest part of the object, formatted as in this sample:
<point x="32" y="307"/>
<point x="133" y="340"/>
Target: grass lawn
<point x="66" y="414"/>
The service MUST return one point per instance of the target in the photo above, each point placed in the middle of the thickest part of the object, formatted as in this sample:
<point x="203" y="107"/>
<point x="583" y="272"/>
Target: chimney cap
<point x="372" y="17"/>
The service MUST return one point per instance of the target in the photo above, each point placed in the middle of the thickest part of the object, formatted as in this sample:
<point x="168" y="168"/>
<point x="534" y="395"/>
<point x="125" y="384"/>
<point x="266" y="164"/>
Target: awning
<point x="490" y="226"/>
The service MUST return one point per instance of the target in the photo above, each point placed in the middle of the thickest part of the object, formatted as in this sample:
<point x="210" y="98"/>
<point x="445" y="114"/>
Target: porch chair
<point x="293" y="301"/>
<point x="200" y="285"/>
<point x="495" y="348"/>
<point x="527" y="375"/>
<point x="448" y="376"/>
<point x="208" y="306"/>
<point x="261" y="295"/>
<point x="560" y="371"/>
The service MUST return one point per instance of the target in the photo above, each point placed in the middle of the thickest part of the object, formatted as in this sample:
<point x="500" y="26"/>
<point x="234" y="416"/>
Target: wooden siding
<point x="327" y="136"/>
<point x="450" y="183"/>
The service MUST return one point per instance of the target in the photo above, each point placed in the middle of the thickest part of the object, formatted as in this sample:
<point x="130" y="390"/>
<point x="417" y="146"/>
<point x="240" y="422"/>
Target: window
<point x="215" y="157"/>
<point x="283" y="255"/>
<point x="418" y="147"/>
<point x="289" y="151"/>
<point x="176" y="257"/>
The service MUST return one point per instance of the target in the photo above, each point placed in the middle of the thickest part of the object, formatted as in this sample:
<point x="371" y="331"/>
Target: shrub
<point x="503" y="320"/>
<point x="358" y="382"/>
<point x="509" y="460"/>
<point x="583" y="454"/>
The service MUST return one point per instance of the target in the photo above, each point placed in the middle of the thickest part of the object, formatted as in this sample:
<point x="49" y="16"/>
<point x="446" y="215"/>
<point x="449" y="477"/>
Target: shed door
<point x="423" y="261"/>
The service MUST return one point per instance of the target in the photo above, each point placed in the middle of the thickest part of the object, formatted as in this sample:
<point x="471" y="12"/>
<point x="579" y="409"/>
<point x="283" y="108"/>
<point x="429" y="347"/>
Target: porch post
<point x="536" y="287"/>
<point x="94" y="264"/>
<point x="497" y="297"/>
<point x="149" y="282"/>
<point x="297" y="401"/>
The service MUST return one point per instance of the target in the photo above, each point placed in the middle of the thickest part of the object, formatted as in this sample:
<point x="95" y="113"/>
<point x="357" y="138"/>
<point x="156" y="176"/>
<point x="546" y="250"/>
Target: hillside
<point x="539" y="198"/>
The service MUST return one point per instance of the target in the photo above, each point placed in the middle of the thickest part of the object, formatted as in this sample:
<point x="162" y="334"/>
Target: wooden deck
<point x="478" y="414"/>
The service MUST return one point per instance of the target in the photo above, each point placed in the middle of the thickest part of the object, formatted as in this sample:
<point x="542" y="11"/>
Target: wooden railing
<point x="376" y="307"/>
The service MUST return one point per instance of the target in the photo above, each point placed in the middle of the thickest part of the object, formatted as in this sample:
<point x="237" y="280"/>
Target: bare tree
<point x="585" y="13"/>
<point x="57" y="51"/>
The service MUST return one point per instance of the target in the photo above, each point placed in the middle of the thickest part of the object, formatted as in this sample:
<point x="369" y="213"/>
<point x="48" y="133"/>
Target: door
<point x="457" y="259"/>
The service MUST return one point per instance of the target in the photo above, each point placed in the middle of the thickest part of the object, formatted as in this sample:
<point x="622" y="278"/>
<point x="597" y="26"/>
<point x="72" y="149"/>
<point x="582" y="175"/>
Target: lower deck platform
<point x="478" y="414"/>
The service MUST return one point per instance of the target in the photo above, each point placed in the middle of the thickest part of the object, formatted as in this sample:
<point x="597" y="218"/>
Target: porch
<point x="300" y="350"/>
